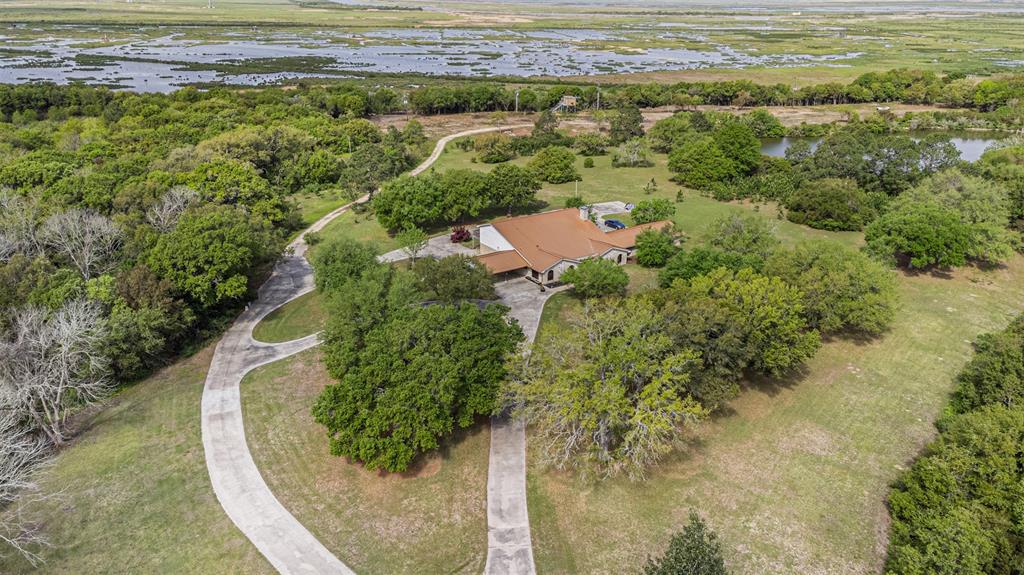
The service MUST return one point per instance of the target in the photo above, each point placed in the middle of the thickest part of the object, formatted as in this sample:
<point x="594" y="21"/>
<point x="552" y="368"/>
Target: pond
<point x="971" y="145"/>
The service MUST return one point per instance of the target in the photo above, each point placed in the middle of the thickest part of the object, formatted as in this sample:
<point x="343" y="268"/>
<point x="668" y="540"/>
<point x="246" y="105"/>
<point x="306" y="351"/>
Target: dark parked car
<point x="615" y="224"/>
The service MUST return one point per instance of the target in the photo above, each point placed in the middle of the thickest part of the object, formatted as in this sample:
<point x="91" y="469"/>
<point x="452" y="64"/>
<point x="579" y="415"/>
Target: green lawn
<point x="794" y="474"/>
<point x="360" y="226"/>
<point x="431" y="519"/>
<point x="131" y="494"/>
<point x="298" y="318"/>
<point x="312" y="207"/>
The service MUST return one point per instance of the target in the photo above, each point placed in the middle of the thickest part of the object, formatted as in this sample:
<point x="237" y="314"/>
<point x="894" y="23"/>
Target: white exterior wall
<point x="562" y="266"/>
<point x="614" y="256"/>
<point x="491" y="239"/>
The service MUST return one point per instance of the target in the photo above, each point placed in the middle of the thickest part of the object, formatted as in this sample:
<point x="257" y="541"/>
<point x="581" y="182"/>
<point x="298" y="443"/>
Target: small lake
<point x="971" y="145"/>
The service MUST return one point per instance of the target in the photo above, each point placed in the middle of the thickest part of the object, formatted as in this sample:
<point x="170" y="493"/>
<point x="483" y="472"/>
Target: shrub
<point x="831" y="204"/>
<point x="744" y="235"/>
<point x="590" y="144"/>
<point x="494" y="148"/>
<point x="588" y="163"/>
<point x="575" y="201"/>
<point x="653" y="210"/>
<point x="632" y="154"/>
<point x="460" y="234"/>
<point x="597" y="277"/>
<point x="654" y="248"/>
<point x="693" y="551"/>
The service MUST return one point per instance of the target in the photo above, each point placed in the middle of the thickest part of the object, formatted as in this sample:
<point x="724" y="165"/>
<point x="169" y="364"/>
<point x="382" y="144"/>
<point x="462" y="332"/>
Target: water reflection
<point x="971" y="145"/>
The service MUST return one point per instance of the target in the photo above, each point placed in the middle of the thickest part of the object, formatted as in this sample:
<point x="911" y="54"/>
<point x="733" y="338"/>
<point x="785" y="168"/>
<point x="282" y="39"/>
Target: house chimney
<point x="585" y="213"/>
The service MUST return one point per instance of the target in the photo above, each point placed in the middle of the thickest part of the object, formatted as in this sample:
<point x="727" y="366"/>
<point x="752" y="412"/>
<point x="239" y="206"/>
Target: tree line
<point x="22" y="101"/>
<point x="958" y="509"/>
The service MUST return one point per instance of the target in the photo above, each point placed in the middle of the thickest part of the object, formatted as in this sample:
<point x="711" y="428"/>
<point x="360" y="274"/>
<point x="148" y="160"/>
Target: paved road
<point x="439" y="147"/>
<point x="236" y="480"/>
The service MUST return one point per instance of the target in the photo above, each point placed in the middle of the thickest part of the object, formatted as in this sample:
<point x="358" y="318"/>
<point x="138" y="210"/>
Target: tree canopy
<point x="596" y="277"/>
<point x="555" y="165"/>
<point x="830" y="204"/>
<point x="610" y="396"/>
<point x="213" y="253"/>
<point x="920" y="236"/>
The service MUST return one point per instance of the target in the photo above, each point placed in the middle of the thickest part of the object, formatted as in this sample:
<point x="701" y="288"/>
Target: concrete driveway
<point x="437" y="247"/>
<point x="509" y="548"/>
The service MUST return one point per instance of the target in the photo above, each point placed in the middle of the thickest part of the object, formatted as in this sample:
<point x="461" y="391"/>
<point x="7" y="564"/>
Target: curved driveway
<point x="236" y="480"/>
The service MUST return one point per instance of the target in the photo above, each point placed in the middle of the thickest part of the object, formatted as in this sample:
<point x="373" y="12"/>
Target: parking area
<point x="437" y="247"/>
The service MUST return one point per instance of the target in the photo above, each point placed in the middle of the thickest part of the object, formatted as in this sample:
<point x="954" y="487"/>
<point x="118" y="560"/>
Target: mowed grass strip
<point x="300" y="317"/>
<point x="431" y="519"/>
<point x="795" y="473"/>
<point x="131" y="494"/>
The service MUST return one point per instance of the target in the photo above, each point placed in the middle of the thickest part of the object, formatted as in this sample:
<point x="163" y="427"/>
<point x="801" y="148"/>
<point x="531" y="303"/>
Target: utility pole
<point x="599" y="98"/>
<point x="517" y="101"/>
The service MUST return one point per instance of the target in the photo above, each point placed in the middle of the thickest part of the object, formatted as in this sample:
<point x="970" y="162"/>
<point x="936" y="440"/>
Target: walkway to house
<point x="236" y="480"/>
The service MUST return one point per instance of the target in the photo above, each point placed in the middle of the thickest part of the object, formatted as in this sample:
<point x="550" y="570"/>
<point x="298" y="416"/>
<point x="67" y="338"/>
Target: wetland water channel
<point x="161" y="59"/>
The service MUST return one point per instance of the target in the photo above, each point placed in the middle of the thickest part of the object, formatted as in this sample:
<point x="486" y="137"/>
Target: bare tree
<point x="19" y="226"/>
<point x="89" y="240"/>
<point x="53" y="363"/>
<point x="164" y="215"/>
<point x="22" y="453"/>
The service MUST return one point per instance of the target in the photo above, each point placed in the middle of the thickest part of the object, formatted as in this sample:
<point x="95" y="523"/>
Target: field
<point x="794" y="475"/>
<point x="430" y="519"/>
<point x="131" y="494"/>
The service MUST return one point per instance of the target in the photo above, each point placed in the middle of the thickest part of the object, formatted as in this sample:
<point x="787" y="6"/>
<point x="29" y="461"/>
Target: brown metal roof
<point x="500" y="262"/>
<point x="542" y="240"/>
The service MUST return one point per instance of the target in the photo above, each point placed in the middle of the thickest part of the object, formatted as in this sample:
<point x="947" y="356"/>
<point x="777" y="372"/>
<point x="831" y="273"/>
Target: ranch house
<point x="543" y="246"/>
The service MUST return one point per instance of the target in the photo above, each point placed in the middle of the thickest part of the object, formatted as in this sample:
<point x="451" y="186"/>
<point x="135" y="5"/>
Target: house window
<point x="619" y="259"/>
<point x="551" y="275"/>
<point x="535" y="274"/>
